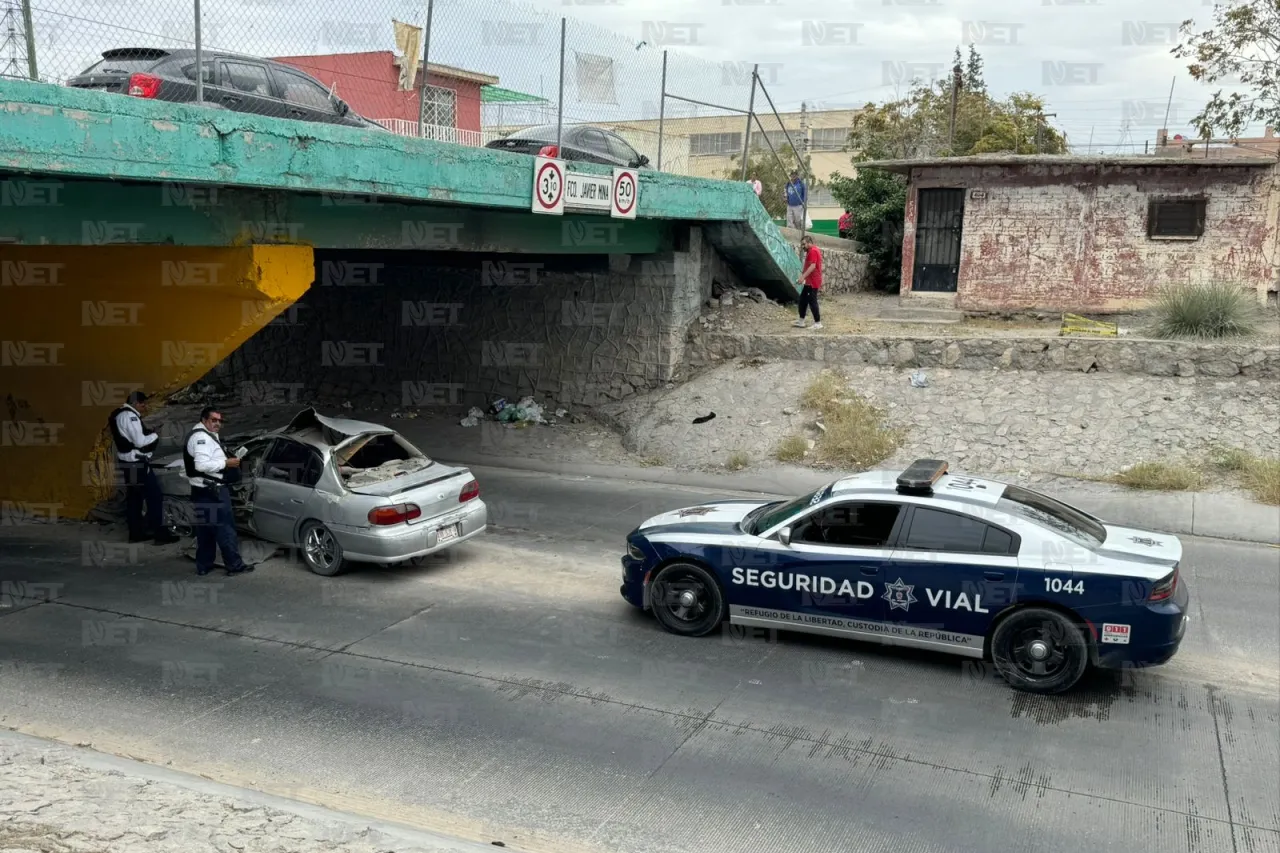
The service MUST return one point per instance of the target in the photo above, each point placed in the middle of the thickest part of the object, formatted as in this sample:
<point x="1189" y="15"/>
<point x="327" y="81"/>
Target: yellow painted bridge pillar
<point x="82" y="326"/>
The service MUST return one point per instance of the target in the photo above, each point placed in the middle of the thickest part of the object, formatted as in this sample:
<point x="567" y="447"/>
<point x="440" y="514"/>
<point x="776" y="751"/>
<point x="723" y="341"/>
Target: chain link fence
<point x="494" y="68"/>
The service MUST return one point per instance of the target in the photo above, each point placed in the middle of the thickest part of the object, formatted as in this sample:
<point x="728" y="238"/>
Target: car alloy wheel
<point x="1040" y="651"/>
<point x="686" y="600"/>
<point x="321" y="550"/>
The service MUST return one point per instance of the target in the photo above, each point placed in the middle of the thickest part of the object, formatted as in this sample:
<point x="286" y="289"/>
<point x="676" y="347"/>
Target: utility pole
<point x="956" y="82"/>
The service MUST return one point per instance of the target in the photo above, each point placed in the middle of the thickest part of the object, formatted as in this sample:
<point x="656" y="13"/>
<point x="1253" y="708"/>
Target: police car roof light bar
<point x="921" y="475"/>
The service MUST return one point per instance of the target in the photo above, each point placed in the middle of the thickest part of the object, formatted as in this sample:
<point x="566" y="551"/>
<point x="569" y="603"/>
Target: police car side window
<point x="933" y="530"/>
<point x="850" y="525"/>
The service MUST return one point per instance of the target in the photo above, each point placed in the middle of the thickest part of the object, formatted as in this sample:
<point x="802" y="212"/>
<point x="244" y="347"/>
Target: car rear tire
<point x="1040" y="651"/>
<point x="686" y="600"/>
<point x="320" y="550"/>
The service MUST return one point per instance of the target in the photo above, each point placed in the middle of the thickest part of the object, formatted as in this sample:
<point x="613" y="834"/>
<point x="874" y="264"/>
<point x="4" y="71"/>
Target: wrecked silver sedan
<point x="346" y="491"/>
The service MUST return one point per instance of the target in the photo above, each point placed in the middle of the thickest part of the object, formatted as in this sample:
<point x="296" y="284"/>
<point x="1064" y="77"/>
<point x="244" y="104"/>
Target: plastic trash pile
<point x="522" y="414"/>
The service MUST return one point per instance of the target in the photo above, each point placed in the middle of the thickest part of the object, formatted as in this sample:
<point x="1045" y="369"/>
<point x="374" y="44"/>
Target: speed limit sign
<point x="626" y="194"/>
<point x="548" y="186"/>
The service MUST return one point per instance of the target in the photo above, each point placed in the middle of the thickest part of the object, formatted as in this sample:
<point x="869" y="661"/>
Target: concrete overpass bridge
<point x="146" y="244"/>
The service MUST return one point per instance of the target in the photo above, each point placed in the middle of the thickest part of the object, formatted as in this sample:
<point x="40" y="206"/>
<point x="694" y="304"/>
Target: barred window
<point x="830" y="138"/>
<point x="1176" y="217"/>
<point x="441" y="107"/>
<point x="715" y="143"/>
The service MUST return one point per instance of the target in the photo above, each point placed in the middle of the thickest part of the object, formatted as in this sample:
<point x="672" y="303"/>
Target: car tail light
<point x="470" y="491"/>
<point x="144" y="86"/>
<point x="1164" y="588"/>
<point x="549" y="151"/>
<point x="385" y="515"/>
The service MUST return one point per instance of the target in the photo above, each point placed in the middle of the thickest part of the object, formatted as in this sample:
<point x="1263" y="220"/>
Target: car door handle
<point x="993" y="576"/>
<point x="294" y="500"/>
<point x="870" y="570"/>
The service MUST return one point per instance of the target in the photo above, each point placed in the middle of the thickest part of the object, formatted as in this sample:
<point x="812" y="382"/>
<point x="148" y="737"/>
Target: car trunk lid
<point x="436" y="488"/>
<point x="1146" y="546"/>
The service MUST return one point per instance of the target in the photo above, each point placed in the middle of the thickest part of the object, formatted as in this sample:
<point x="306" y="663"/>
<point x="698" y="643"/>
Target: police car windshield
<point x="774" y="514"/>
<point x="1071" y="523"/>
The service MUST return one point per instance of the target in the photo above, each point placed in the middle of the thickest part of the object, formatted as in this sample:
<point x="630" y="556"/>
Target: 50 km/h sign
<point x="548" y="186"/>
<point x="626" y="194"/>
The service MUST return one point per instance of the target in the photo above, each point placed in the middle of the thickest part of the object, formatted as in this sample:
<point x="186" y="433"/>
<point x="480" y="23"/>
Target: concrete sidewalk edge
<point x="1215" y="515"/>
<point x="408" y="835"/>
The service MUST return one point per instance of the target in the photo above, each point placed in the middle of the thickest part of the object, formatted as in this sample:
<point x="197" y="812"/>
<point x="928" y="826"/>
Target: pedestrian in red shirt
<point x="845" y="225"/>
<point x="811" y="278"/>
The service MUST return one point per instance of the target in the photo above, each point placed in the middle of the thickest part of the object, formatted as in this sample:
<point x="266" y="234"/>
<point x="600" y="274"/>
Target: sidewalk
<point x="1217" y="515"/>
<point x="60" y="799"/>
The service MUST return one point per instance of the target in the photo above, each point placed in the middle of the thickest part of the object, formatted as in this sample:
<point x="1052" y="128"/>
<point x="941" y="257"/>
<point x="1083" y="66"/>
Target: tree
<point x="878" y="200"/>
<point x="1244" y="43"/>
<point x="973" y="80"/>
<point x="772" y="173"/>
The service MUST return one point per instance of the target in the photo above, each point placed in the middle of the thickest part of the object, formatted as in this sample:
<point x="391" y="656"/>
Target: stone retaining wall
<point x="1128" y="356"/>
<point x="843" y="271"/>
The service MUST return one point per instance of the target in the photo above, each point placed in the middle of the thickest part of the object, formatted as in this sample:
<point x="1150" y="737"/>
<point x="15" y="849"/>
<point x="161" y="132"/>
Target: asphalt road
<point x="506" y="692"/>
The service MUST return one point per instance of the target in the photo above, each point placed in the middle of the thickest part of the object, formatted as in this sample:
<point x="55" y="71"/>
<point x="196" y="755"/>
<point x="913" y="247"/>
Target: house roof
<point x="905" y="166"/>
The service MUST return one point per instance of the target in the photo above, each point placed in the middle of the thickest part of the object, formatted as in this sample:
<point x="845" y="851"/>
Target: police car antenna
<point x="920" y="476"/>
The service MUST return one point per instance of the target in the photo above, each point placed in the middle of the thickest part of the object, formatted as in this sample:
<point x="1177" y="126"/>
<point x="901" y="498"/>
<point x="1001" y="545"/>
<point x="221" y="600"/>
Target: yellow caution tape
<point x="1074" y="324"/>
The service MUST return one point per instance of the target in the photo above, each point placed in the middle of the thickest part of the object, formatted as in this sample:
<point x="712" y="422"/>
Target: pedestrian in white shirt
<point x="210" y="470"/>
<point x="134" y="445"/>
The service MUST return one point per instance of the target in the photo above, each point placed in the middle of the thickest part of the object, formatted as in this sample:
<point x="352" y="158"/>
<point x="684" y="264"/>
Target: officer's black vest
<point x="189" y="461"/>
<point x="123" y="444"/>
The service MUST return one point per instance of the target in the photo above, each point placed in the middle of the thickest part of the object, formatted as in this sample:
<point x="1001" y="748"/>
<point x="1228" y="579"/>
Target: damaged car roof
<point x="314" y="428"/>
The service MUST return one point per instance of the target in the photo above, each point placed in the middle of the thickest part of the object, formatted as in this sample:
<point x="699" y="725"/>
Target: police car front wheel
<point x="1040" y="651"/>
<point x="686" y="600"/>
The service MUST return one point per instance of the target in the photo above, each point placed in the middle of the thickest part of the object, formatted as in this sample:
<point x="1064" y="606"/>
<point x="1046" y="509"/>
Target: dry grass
<point x="1160" y="476"/>
<point x="1259" y="474"/>
<point x="737" y="461"/>
<point x="857" y="434"/>
<point x="793" y="448"/>
<point x="653" y="462"/>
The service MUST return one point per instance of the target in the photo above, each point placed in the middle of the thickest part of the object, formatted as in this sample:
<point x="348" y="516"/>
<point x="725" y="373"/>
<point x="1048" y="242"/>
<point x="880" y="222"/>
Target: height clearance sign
<point x="556" y="190"/>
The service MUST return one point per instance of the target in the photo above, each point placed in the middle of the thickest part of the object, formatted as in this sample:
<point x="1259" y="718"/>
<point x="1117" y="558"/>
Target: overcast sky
<point x="1101" y="64"/>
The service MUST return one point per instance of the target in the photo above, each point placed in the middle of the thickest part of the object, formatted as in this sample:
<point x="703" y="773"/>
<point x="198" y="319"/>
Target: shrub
<point x="737" y="461"/>
<point x="857" y="434"/>
<point x="793" y="448"/>
<point x="1205" y="311"/>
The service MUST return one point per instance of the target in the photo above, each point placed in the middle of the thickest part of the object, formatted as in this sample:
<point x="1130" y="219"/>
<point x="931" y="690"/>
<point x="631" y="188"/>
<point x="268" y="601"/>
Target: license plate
<point x="446" y="534"/>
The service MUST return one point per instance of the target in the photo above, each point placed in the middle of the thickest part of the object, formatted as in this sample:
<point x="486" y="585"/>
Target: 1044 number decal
<point x="1060" y="585"/>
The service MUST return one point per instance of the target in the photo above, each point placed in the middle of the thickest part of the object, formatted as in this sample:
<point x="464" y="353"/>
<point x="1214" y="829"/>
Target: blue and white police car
<point x="921" y="558"/>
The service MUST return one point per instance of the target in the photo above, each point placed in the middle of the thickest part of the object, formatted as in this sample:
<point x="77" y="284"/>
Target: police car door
<point x="836" y="558"/>
<point x="949" y="574"/>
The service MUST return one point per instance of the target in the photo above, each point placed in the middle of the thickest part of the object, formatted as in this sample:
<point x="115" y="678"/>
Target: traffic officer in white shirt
<point x="134" y="444"/>
<point x="210" y="470"/>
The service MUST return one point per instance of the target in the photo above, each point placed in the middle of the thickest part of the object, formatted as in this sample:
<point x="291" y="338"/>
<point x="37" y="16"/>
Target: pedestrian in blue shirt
<point x="796" y="198"/>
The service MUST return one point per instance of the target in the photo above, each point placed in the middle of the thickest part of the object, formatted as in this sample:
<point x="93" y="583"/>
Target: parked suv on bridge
<point x="242" y="83"/>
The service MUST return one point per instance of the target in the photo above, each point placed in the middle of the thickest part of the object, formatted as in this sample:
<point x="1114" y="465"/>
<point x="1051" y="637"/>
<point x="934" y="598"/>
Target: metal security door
<point x="939" y="216"/>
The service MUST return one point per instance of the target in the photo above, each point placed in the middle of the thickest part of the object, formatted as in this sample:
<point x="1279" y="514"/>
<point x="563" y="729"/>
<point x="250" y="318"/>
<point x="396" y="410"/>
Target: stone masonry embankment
<point x="1131" y="356"/>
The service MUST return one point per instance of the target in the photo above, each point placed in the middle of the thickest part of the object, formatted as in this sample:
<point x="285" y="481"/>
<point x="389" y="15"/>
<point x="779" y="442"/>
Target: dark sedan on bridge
<point x="581" y="143"/>
<point x="245" y="84"/>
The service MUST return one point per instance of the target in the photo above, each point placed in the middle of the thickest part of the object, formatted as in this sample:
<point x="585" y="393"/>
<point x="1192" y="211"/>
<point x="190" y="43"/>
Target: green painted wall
<point x="83" y="212"/>
<point x="49" y="131"/>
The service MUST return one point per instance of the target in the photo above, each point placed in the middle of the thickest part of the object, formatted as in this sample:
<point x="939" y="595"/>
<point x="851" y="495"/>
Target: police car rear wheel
<point x="321" y="551"/>
<point x="1040" y="651"/>
<point x="686" y="600"/>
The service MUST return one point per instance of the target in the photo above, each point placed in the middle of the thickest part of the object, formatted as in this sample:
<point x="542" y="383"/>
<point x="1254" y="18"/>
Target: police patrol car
<point x="921" y="558"/>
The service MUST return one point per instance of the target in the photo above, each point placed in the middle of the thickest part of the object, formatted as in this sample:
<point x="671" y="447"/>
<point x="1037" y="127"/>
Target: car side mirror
<point x="784" y="536"/>
<point x="644" y="161"/>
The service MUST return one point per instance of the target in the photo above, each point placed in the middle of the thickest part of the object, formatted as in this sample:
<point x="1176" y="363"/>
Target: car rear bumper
<point x="408" y="541"/>
<point x="1156" y="635"/>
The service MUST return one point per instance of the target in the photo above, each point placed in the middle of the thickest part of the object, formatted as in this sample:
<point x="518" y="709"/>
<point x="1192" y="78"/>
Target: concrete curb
<point x="409" y="836"/>
<point x="1216" y="515"/>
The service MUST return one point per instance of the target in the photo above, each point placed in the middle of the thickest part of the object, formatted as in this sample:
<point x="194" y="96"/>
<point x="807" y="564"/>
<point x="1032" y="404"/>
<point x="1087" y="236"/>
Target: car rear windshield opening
<point x="1071" y="523"/>
<point x="374" y="458"/>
